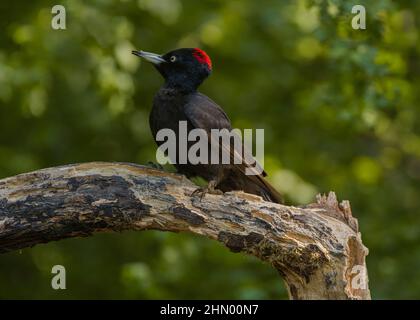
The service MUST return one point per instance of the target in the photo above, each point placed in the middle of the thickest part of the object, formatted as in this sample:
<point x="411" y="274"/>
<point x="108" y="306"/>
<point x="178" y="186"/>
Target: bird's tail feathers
<point x="268" y="192"/>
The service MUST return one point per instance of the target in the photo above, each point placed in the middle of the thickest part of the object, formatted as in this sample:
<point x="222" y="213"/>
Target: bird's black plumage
<point x="178" y="100"/>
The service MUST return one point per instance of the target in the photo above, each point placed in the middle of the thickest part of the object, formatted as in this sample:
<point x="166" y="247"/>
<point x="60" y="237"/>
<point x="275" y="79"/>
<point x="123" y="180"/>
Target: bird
<point x="178" y="99"/>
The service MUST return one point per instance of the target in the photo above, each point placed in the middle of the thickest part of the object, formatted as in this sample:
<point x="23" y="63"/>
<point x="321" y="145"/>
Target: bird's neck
<point x="182" y="83"/>
<point x="179" y="88"/>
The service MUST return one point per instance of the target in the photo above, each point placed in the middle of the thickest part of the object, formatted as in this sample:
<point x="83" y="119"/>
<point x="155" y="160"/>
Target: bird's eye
<point x="172" y="59"/>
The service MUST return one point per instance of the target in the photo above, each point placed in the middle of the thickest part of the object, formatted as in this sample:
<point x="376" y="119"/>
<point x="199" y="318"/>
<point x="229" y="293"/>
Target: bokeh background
<point x="340" y="109"/>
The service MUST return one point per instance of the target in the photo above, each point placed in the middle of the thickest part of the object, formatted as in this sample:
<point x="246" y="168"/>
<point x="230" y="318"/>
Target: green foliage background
<point x="339" y="108"/>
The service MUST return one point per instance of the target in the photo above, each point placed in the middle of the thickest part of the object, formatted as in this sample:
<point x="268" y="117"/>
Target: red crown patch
<point x="202" y="57"/>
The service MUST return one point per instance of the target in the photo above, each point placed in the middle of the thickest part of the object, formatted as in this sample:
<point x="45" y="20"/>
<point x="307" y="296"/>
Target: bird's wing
<point x="204" y="113"/>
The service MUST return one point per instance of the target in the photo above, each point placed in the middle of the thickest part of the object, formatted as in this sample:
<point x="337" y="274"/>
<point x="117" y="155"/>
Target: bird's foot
<point x="154" y="165"/>
<point x="210" y="189"/>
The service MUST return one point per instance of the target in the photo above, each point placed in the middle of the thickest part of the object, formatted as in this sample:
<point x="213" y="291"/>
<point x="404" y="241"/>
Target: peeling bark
<point x="317" y="249"/>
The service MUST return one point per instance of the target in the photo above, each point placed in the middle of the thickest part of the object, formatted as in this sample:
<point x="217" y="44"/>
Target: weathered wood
<point x="314" y="248"/>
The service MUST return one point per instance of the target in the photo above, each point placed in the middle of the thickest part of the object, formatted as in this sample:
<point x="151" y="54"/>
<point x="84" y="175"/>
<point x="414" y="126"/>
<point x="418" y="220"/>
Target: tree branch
<point x="317" y="249"/>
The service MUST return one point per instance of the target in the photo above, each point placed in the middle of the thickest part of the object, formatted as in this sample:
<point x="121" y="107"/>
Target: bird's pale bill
<point x="149" y="56"/>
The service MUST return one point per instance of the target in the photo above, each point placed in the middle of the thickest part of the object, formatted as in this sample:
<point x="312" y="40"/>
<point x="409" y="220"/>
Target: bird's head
<point x="183" y="69"/>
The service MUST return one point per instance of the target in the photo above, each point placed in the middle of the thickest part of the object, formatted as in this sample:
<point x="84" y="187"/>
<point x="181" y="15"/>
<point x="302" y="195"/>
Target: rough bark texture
<point x="317" y="249"/>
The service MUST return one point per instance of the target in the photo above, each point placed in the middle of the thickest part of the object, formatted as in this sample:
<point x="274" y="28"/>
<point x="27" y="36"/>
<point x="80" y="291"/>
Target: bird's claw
<point x="201" y="192"/>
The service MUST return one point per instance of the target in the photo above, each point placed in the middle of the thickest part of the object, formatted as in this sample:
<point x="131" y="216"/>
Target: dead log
<point x="317" y="249"/>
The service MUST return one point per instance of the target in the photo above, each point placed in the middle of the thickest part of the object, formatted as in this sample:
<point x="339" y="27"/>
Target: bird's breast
<point x="167" y="112"/>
